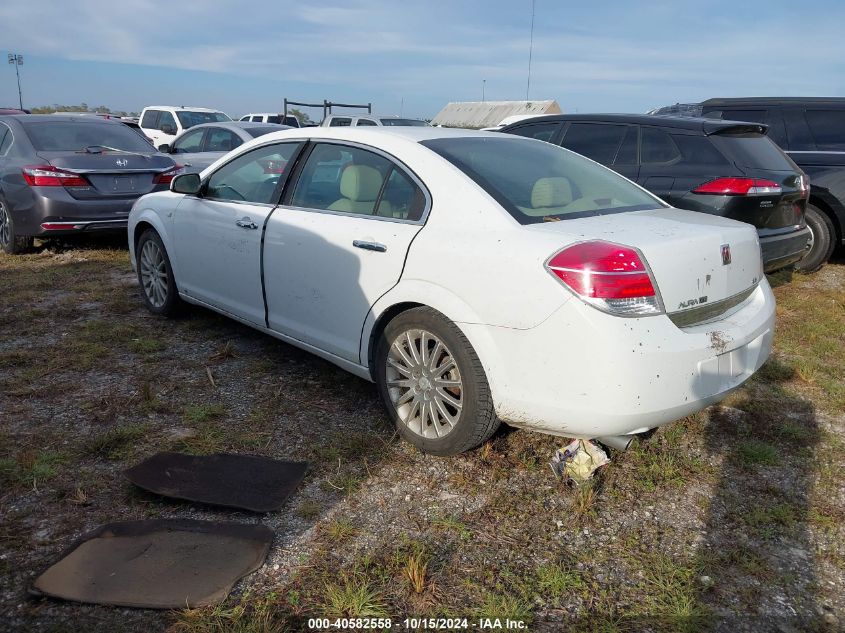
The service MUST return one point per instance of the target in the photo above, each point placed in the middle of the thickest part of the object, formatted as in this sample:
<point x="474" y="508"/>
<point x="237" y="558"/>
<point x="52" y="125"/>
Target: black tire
<point x="823" y="242"/>
<point x="10" y="242"/>
<point x="476" y="420"/>
<point x="170" y="304"/>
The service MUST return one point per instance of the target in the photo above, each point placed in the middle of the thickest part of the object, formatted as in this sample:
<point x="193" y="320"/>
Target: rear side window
<point x="5" y="139"/>
<point x="365" y="122"/>
<point x="627" y="154"/>
<point x="698" y="150"/>
<point x="150" y="119"/>
<point x="540" y="182"/>
<point x="340" y="122"/>
<point x="540" y="131"/>
<point x="274" y="118"/>
<point x="598" y="141"/>
<point x="220" y="140"/>
<point x="167" y="119"/>
<point x="658" y="147"/>
<point x="827" y="128"/>
<point x="756" y="151"/>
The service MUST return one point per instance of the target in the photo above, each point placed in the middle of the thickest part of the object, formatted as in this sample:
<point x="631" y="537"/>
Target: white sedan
<point x="474" y="277"/>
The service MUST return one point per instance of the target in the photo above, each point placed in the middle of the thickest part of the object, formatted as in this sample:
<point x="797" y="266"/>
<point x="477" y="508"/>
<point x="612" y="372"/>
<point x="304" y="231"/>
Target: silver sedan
<point x="198" y="147"/>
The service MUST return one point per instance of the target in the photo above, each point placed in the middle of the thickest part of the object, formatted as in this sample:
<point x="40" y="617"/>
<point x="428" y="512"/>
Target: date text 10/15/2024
<point x="417" y="624"/>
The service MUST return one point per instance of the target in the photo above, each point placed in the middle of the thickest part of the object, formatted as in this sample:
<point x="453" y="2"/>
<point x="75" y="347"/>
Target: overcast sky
<point x="414" y="56"/>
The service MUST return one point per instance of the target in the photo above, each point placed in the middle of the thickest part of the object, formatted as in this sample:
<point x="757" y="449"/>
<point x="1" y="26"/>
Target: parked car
<point x="812" y="131"/>
<point x="346" y="120"/>
<point x="271" y="117"/>
<point x="475" y="277"/>
<point x="203" y="144"/>
<point x="65" y="175"/>
<point x="164" y="123"/>
<point x="13" y="111"/>
<point x="721" y="167"/>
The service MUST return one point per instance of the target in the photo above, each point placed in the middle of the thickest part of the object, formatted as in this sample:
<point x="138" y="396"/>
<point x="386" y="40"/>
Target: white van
<point x="164" y="123"/>
<point x="271" y="117"/>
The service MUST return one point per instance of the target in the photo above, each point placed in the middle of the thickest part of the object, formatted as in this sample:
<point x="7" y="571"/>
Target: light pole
<point x="17" y="60"/>
<point x="483" y="87"/>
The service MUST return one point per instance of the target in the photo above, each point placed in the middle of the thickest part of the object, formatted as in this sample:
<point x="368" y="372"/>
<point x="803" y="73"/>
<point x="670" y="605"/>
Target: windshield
<point x="536" y="181"/>
<point x="413" y="122"/>
<point x="189" y="118"/>
<point x="74" y="136"/>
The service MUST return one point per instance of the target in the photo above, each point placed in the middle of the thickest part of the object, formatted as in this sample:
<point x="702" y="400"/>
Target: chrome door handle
<point x="246" y="223"/>
<point x="370" y="246"/>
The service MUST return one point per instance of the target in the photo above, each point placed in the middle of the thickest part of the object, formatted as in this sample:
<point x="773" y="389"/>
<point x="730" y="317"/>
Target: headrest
<point x="551" y="192"/>
<point x="360" y="183"/>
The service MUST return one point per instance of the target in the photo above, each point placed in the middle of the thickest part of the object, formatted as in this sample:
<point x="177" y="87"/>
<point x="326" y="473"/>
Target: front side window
<point x="191" y="142"/>
<point x="541" y="131"/>
<point x="220" y="140"/>
<point x="541" y="182"/>
<point x="166" y="119"/>
<point x="340" y="122"/>
<point x="253" y="176"/>
<point x="598" y="141"/>
<point x="353" y="180"/>
<point x="827" y="128"/>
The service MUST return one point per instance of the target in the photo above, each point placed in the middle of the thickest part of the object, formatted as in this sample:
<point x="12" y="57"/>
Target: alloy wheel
<point x="154" y="273"/>
<point x="424" y="383"/>
<point x="5" y="227"/>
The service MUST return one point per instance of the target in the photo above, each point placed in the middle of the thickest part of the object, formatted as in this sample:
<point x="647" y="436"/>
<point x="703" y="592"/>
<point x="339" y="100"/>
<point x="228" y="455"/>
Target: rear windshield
<point x="74" y="136"/>
<point x="189" y="119"/>
<point x="255" y="132"/>
<point x="756" y="151"/>
<point x="536" y="181"/>
<point x="413" y="122"/>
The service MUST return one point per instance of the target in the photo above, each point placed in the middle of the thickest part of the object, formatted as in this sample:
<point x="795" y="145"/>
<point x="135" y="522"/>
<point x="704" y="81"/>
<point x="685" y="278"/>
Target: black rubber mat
<point x="157" y="564"/>
<point x="259" y="484"/>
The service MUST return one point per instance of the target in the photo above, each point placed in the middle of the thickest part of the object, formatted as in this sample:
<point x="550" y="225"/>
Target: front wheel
<point x="433" y="384"/>
<point x="155" y="276"/>
<point x="821" y="241"/>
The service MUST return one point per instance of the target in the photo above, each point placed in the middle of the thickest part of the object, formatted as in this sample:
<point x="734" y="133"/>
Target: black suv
<point x="812" y="131"/>
<point x="721" y="167"/>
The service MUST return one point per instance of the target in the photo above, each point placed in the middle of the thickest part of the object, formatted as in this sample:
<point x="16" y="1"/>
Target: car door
<point x="187" y="150"/>
<point x="658" y="155"/>
<point x="337" y="243"/>
<point x="218" y="233"/>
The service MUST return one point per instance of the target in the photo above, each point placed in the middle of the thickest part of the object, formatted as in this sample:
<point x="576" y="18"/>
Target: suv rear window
<point x="536" y="181"/>
<point x="753" y="150"/>
<point x="189" y="119"/>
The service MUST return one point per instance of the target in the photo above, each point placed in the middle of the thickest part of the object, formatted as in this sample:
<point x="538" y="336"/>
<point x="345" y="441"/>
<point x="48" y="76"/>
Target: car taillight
<point x="49" y="176"/>
<point x="610" y="277"/>
<point x="165" y="177"/>
<point x="739" y="187"/>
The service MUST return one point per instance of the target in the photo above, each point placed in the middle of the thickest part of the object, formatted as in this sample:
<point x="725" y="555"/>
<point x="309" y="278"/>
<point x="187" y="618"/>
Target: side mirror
<point x="167" y="129"/>
<point x="186" y="183"/>
<point x="164" y="148"/>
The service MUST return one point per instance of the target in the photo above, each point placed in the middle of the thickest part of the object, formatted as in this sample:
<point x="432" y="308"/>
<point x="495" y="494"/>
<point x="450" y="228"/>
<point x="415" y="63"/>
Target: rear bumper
<point x="583" y="373"/>
<point x="780" y="251"/>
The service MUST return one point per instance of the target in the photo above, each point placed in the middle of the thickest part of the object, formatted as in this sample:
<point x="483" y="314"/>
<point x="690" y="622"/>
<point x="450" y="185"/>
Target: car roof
<point x="374" y="133"/>
<point x="244" y="125"/>
<point x="181" y="108"/>
<point x="773" y="101"/>
<point x="697" y="124"/>
<point x="53" y="118"/>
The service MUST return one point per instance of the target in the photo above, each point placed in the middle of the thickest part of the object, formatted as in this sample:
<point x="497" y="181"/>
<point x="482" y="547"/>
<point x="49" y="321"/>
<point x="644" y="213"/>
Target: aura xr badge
<point x="726" y="254"/>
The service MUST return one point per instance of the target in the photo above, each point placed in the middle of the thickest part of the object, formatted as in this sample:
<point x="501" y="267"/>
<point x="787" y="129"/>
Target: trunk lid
<point x="111" y="174"/>
<point x="684" y="251"/>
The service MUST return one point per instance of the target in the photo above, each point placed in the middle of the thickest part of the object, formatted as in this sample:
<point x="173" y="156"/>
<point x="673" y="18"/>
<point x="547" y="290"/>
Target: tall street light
<point x="17" y="60"/>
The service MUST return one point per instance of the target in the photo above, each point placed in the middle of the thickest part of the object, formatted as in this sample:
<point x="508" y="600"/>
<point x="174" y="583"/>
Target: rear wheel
<point x="821" y="241"/>
<point x="10" y="241"/>
<point x="155" y="276"/>
<point x="433" y="384"/>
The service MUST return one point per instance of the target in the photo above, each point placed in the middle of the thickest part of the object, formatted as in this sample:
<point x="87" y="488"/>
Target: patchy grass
<point x="118" y="442"/>
<point x="352" y="597"/>
<point x="30" y="467"/>
<point x="754" y="453"/>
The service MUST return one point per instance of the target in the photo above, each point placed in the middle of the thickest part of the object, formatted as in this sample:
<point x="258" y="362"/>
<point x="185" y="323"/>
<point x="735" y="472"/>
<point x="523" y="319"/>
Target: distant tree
<point x="82" y="107"/>
<point x="301" y="116"/>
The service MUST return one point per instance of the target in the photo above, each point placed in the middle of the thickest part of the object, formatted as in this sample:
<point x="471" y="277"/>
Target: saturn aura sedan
<point x="475" y="277"/>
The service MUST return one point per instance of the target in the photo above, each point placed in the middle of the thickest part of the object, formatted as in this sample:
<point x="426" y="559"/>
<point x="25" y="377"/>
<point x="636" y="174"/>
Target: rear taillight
<point x="739" y="187"/>
<point x="610" y="277"/>
<point x="49" y="176"/>
<point x="165" y="177"/>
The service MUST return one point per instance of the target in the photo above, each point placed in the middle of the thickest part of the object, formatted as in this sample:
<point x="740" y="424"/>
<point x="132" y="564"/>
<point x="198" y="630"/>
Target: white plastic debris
<point x="578" y="461"/>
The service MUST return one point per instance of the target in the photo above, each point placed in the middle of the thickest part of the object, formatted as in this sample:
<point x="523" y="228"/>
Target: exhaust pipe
<point x="617" y="442"/>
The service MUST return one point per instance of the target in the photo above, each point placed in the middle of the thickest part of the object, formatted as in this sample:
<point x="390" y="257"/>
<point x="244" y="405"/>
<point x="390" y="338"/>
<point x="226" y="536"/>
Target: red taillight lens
<point x="165" y="177"/>
<point x="739" y="187"/>
<point x="611" y="277"/>
<point x="49" y="176"/>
